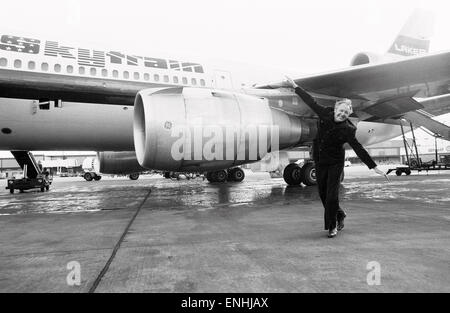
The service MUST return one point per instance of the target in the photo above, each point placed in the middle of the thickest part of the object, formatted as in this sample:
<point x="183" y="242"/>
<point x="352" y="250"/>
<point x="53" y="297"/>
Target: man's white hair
<point x="345" y="101"/>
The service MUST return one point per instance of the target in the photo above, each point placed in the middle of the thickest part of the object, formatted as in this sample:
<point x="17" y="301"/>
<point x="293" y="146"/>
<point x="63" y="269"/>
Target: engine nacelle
<point x="366" y="58"/>
<point x="197" y="129"/>
<point x="118" y="163"/>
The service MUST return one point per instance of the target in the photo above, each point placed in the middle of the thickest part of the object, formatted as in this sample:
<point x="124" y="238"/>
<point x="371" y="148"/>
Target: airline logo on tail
<point x="407" y="46"/>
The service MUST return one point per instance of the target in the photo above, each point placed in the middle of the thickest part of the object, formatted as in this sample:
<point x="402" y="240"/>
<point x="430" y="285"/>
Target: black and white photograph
<point x="224" y="152"/>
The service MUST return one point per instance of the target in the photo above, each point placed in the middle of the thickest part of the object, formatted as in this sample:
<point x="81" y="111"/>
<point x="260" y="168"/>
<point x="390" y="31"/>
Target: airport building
<point x="393" y="151"/>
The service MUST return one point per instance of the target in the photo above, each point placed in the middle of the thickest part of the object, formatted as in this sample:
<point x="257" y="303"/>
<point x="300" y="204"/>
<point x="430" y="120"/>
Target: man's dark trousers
<point x="328" y="181"/>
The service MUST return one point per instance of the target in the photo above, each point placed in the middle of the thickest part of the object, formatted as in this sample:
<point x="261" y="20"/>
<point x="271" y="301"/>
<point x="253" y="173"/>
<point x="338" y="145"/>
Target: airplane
<point x="172" y="114"/>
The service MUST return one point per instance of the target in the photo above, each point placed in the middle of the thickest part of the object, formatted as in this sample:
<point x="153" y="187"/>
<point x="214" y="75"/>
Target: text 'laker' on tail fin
<point x="414" y="38"/>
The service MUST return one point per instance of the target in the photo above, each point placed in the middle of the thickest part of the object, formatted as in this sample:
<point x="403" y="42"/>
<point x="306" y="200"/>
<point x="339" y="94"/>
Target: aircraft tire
<point x="291" y="174"/>
<point x="308" y="174"/>
<point x="209" y="177"/>
<point x="134" y="176"/>
<point x="236" y="174"/>
<point x="220" y="176"/>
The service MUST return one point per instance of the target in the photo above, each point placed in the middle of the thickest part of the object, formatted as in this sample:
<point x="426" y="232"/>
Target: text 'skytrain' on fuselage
<point x="88" y="57"/>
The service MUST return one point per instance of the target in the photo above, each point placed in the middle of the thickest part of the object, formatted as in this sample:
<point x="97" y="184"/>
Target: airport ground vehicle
<point x="413" y="160"/>
<point x="89" y="167"/>
<point x="41" y="182"/>
<point x="33" y="178"/>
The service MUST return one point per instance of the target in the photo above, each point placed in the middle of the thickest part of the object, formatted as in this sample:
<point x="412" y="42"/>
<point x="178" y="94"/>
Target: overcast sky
<point x="300" y="36"/>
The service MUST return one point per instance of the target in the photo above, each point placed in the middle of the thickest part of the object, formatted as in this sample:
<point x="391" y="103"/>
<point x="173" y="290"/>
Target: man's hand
<point x="291" y="82"/>
<point x="380" y="172"/>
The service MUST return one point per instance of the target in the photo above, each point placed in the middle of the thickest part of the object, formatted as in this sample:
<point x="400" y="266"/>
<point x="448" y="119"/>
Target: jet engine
<point x="118" y="163"/>
<point x="199" y="129"/>
<point x="366" y="58"/>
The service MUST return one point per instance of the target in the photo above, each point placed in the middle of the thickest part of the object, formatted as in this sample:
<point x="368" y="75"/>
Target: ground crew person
<point x="334" y="130"/>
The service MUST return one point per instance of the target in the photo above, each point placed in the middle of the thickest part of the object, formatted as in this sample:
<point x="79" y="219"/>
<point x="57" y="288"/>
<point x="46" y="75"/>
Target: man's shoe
<point x="332" y="233"/>
<point x="340" y="222"/>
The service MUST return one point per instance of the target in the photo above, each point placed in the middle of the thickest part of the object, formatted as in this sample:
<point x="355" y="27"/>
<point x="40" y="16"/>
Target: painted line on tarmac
<point x="117" y="246"/>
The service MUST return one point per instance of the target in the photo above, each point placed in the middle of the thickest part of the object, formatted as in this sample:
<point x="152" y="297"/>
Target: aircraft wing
<point x="427" y="75"/>
<point x="386" y="92"/>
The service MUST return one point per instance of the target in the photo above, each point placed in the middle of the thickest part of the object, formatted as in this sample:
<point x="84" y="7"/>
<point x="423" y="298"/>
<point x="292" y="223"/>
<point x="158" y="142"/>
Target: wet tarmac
<point x="158" y="235"/>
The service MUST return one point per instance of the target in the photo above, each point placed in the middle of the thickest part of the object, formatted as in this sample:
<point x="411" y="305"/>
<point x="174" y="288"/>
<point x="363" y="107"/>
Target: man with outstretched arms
<point x="334" y="130"/>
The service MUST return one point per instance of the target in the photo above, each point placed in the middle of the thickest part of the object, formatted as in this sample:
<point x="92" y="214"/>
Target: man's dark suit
<point x="329" y="155"/>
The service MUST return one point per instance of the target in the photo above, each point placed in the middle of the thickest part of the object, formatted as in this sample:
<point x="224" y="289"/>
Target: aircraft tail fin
<point x="414" y="37"/>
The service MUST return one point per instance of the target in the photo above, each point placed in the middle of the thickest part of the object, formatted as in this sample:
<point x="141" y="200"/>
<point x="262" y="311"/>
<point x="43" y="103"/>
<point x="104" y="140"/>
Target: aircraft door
<point x="222" y="80"/>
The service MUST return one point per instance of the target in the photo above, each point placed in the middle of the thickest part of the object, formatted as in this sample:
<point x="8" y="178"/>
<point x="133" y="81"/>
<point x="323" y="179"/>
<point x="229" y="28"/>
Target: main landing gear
<point x="294" y="174"/>
<point x="234" y="175"/>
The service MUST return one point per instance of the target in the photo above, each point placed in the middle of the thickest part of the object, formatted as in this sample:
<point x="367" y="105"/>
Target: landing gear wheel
<point x="47" y="188"/>
<point x="398" y="172"/>
<point x="220" y="176"/>
<point x="308" y="174"/>
<point x="134" y="176"/>
<point x="97" y="177"/>
<point x="87" y="176"/>
<point x="408" y="171"/>
<point x="209" y="177"/>
<point x="11" y="190"/>
<point x="42" y="189"/>
<point x="291" y="174"/>
<point x="236" y="174"/>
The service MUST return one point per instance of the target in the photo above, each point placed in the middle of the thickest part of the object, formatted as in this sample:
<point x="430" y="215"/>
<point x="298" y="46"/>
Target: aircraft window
<point x="193" y="81"/>
<point x="156" y="77"/>
<point x="3" y="62"/>
<point x="104" y="72"/>
<point x="166" y="78"/>
<point x="185" y="81"/>
<point x="202" y="82"/>
<point x="69" y="69"/>
<point x="93" y="71"/>
<point x="17" y="64"/>
<point x="126" y="75"/>
<point x="31" y="65"/>
<point x="175" y="80"/>
<point x="136" y="75"/>
<point x="81" y="70"/>
<point x="115" y="73"/>
<point x="44" y="66"/>
<point x="57" y="68"/>
<point x="147" y="76"/>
